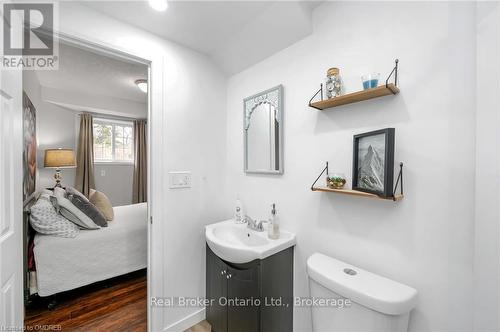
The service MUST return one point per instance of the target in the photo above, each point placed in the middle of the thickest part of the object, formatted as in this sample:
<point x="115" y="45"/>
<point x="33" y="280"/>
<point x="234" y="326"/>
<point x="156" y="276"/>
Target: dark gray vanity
<point x="246" y="297"/>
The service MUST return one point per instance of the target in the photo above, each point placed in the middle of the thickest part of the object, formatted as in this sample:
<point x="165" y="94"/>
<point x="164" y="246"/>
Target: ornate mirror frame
<point x="274" y="97"/>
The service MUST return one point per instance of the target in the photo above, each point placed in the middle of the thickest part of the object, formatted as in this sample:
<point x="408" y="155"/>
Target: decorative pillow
<point x="45" y="220"/>
<point x="72" y="213"/>
<point x="103" y="203"/>
<point x="74" y="192"/>
<point x="59" y="192"/>
<point x="89" y="209"/>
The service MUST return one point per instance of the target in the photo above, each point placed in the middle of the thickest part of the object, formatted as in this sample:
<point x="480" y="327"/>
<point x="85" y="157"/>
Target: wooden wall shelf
<point x="380" y="91"/>
<point x="357" y="193"/>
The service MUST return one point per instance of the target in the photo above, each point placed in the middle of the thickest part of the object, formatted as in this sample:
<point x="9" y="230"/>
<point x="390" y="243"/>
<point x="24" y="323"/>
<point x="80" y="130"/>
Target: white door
<point x="11" y="225"/>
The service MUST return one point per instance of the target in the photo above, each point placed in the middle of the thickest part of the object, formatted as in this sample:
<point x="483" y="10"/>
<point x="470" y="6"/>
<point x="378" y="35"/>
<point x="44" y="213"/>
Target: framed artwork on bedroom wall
<point x="373" y="162"/>
<point x="29" y="147"/>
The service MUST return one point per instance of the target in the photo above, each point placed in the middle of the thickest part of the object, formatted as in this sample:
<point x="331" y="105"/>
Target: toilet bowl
<point x="377" y="304"/>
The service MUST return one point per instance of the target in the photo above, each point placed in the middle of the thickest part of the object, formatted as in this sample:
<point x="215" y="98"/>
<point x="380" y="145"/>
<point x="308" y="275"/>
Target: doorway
<point x="60" y="100"/>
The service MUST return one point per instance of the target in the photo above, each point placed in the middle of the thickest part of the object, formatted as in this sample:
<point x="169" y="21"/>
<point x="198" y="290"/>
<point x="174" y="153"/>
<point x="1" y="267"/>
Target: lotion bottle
<point x="273" y="229"/>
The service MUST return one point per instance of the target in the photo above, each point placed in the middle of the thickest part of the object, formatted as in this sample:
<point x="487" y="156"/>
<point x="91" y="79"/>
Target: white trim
<point x="11" y="202"/>
<point x="108" y="119"/>
<point x="156" y="140"/>
<point x="187" y="322"/>
<point x="155" y="106"/>
<point x="97" y="112"/>
<point x="113" y="163"/>
<point x="99" y="47"/>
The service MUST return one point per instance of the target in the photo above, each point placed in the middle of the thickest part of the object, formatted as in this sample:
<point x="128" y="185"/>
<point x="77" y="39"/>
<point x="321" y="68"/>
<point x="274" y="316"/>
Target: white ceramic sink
<point x="236" y="243"/>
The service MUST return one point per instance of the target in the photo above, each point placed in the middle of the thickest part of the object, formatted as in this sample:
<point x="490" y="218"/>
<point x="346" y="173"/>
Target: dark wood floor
<point x="118" y="304"/>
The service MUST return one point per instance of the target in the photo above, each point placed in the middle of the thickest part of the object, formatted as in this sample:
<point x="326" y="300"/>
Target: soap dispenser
<point x="239" y="214"/>
<point x="273" y="230"/>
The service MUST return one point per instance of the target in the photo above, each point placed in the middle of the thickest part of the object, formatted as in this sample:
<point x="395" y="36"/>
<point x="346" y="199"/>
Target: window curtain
<point x="85" y="156"/>
<point x="140" y="186"/>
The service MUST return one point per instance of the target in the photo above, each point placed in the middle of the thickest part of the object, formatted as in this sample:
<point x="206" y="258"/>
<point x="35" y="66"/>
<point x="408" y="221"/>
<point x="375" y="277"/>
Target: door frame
<point x="11" y="215"/>
<point x="155" y="75"/>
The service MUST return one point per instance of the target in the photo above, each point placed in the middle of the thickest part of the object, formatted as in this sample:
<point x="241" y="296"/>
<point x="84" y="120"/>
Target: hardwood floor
<point x="119" y="304"/>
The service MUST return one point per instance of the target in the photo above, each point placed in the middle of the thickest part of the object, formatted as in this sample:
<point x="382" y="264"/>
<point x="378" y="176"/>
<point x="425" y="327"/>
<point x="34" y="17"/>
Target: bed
<point x="63" y="264"/>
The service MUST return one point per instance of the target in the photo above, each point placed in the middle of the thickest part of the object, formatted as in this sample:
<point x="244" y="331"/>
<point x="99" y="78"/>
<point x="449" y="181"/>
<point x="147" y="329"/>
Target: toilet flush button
<point x="350" y="272"/>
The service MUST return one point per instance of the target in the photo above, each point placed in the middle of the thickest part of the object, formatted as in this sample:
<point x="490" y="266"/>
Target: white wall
<point x="426" y="240"/>
<point x="55" y="128"/>
<point x="58" y="127"/>
<point x="487" y="236"/>
<point x="116" y="181"/>
<point x="187" y="123"/>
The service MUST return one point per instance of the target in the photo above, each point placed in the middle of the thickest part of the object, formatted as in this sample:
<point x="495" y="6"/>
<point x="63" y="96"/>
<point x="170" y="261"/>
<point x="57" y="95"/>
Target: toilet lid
<point x="368" y="289"/>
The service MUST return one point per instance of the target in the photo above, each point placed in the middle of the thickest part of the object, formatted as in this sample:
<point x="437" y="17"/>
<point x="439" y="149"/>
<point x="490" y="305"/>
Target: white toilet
<point x="378" y="304"/>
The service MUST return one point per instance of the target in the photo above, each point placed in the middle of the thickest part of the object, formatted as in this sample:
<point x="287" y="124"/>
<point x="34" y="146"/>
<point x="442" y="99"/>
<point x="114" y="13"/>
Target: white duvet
<point x="63" y="263"/>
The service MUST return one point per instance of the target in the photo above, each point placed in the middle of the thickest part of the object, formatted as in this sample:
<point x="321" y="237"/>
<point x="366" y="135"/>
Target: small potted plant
<point x="336" y="181"/>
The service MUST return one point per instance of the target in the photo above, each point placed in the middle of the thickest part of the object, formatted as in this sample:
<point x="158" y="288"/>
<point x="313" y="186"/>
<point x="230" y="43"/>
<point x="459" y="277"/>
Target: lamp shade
<point x="59" y="158"/>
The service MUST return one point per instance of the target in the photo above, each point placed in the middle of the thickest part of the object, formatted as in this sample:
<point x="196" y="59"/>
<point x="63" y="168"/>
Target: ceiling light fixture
<point x="159" y="5"/>
<point x="142" y="84"/>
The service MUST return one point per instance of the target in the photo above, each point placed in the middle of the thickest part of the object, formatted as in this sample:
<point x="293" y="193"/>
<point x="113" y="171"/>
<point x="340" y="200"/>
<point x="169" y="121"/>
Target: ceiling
<point x="235" y="34"/>
<point x="90" y="73"/>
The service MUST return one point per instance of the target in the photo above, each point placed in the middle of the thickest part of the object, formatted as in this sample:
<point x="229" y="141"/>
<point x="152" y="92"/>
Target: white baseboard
<point x="186" y="322"/>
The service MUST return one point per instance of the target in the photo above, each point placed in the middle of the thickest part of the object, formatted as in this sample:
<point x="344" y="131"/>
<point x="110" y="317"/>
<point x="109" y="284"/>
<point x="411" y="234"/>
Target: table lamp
<point x="59" y="158"/>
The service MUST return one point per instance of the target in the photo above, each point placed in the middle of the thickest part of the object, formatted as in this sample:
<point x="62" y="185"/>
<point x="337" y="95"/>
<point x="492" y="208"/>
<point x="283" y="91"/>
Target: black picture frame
<point x="374" y="184"/>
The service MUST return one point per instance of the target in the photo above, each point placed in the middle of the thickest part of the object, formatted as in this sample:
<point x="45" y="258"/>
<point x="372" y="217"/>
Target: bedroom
<point x="85" y="189"/>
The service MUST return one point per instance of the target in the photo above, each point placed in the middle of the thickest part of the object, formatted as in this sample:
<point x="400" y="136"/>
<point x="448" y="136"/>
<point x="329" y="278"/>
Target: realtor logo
<point x="34" y="25"/>
<point x="28" y="36"/>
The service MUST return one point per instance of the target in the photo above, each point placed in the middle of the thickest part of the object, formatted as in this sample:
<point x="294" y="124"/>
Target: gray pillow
<point x="72" y="213"/>
<point x="89" y="209"/>
<point x="73" y="191"/>
<point x="45" y="220"/>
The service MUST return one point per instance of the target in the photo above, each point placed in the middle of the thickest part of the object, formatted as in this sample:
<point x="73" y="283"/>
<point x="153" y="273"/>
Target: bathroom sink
<point x="235" y="243"/>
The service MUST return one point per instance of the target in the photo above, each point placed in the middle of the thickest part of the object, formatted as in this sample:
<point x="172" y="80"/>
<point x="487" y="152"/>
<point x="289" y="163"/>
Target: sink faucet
<point x="254" y="224"/>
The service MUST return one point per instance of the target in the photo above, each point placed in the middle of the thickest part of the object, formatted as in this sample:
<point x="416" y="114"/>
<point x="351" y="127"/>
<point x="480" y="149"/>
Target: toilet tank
<point x="377" y="304"/>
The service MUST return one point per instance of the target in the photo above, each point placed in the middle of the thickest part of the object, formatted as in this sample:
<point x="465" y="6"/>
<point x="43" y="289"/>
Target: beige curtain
<point x="140" y="193"/>
<point x="85" y="156"/>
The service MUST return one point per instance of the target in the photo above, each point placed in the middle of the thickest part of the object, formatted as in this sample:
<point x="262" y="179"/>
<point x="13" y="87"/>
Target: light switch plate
<point x="180" y="179"/>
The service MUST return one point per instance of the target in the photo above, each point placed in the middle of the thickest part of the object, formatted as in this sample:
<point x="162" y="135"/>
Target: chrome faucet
<point x="254" y="225"/>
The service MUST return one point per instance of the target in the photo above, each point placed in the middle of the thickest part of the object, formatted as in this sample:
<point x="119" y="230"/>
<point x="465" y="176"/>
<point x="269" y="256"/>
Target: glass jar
<point x="333" y="83"/>
<point x="370" y="81"/>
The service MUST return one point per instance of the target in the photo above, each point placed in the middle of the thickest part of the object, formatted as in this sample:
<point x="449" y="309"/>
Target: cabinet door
<point x="244" y="286"/>
<point x="216" y="292"/>
<point x="276" y="272"/>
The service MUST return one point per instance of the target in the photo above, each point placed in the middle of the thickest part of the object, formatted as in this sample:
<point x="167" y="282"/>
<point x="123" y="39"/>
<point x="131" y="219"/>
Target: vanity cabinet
<point x="251" y="297"/>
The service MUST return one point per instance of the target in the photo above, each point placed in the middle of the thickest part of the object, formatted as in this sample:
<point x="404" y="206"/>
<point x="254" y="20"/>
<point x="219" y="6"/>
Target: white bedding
<point x="94" y="255"/>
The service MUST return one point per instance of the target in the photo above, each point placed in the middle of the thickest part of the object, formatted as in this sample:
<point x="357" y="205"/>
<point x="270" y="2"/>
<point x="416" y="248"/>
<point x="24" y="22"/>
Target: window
<point x="113" y="141"/>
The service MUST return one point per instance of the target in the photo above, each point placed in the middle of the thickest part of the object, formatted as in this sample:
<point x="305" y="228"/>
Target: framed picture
<point x="373" y="162"/>
<point x="29" y="147"/>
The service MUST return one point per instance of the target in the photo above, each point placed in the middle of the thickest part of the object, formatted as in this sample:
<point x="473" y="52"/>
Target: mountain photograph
<point x="371" y="166"/>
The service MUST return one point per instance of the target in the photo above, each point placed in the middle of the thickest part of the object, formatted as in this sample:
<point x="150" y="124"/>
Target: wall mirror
<point x="263" y="132"/>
